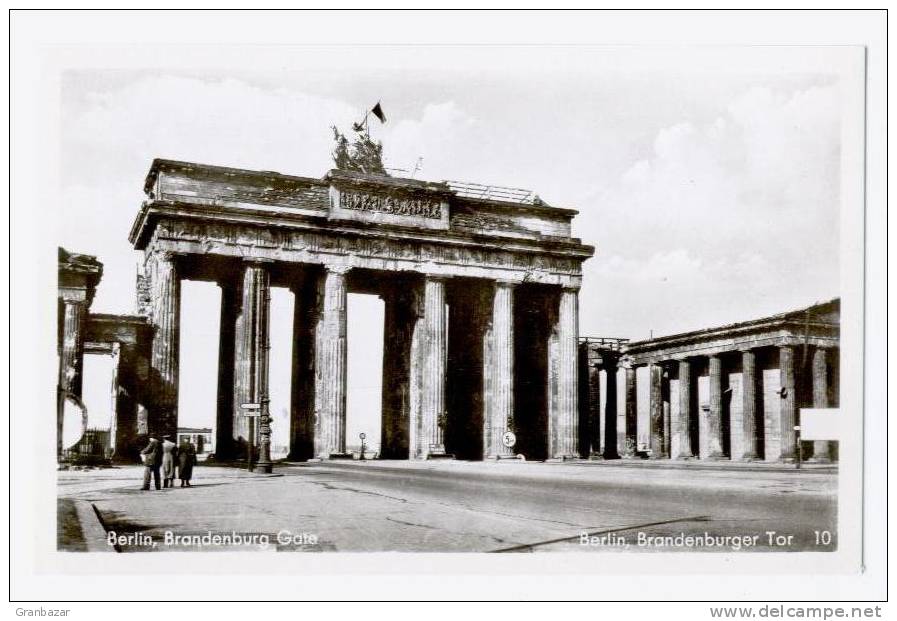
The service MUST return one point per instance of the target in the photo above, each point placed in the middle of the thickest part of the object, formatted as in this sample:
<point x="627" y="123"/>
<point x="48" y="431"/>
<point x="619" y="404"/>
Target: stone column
<point x="401" y="318"/>
<point x="631" y="432"/>
<point x="821" y="448"/>
<point x="302" y="372"/>
<point x="749" y="404"/>
<point x="71" y="358"/>
<point x="330" y="366"/>
<point x="715" y="416"/>
<point x="124" y="421"/>
<point x="255" y="317"/>
<point x="610" y="410"/>
<point x="658" y="441"/>
<point x="787" y="394"/>
<point x="432" y="369"/>
<point x="681" y="441"/>
<point x="224" y="427"/>
<point x="166" y="315"/>
<point x="566" y="432"/>
<point x="592" y="379"/>
<point x="667" y="408"/>
<point x="500" y="400"/>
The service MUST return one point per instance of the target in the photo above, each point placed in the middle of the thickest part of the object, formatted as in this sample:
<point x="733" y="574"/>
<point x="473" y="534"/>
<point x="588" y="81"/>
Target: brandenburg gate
<point x="480" y="287"/>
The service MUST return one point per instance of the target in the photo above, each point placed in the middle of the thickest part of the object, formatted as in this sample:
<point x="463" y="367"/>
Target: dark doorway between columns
<point x="535" y="310"/>
<point x="699" y="368"/>
<point x="469" y="301"/>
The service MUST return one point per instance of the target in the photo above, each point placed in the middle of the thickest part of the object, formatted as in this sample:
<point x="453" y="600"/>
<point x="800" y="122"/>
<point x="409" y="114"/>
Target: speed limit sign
<point x="509" y="439"/>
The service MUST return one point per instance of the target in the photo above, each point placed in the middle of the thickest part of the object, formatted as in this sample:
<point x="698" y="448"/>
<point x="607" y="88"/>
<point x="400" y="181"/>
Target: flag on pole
<point x="378" y="112"/>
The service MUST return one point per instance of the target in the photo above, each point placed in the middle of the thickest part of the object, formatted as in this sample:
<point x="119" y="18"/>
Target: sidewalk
<point x="697" y="464"/>
<point x="437" y="506"/>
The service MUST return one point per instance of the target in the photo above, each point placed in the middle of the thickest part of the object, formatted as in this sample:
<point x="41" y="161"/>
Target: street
<point x="457" y="506"/>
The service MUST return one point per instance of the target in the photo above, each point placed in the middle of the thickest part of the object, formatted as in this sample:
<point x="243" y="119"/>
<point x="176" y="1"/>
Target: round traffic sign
<point x="362" y="435"/>
<point x="509" y="439"/>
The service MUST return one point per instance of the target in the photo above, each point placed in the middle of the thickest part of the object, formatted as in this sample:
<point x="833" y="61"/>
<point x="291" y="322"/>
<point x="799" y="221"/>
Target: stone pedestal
<point x="330" y="366"/>
<point x="749" y="405"/>
<point x="500" y="370"/>
<point x="166" y="315"/>
<point x="821" y="448"/>
<point x="715" y="415"/>
<point x="630" y="447"/>
<point x="787" y="403"/>
<point x="681" y="441"/>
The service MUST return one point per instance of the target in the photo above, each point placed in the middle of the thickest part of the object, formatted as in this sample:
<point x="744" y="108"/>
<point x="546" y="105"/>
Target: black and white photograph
<point x="416" y="306"/>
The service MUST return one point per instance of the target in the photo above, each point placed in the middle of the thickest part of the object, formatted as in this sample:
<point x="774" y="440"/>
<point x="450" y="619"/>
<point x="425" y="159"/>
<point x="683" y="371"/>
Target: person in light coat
<point x="169" y="459"/>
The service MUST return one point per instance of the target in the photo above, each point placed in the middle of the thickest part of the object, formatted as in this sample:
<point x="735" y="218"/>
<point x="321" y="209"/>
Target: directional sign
<point x="509" y="439"/>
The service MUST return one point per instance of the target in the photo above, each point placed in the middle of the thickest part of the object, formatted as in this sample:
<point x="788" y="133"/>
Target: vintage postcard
<point x="415" y="307"/>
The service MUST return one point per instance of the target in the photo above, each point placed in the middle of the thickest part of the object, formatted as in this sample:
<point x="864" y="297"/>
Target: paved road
<point x="465" y="506"/>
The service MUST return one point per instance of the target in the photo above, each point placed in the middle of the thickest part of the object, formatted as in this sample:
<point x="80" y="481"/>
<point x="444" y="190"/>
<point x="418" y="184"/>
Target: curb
<point x="92" y="527"/>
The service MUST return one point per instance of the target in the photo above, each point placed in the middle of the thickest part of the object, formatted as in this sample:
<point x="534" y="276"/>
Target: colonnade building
<point x="732" y="392"/>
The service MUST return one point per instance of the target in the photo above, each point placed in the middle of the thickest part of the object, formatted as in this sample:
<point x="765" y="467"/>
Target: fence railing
<point x="609" y="343"/>
<point x="94" y="443"/>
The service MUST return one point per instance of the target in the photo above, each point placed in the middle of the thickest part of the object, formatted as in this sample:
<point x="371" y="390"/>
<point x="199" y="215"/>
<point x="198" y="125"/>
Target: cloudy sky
<point x="707" y="180"/>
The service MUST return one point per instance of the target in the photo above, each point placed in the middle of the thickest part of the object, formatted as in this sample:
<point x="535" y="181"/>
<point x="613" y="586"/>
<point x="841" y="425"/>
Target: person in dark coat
<point x="186" y="461"/>
<point x="152" y="461"/>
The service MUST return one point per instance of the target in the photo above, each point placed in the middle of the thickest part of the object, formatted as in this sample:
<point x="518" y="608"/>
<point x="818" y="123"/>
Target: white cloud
<point x="723" y="220"/>
<point x="445" y="136"/>
<point x="226" y="122"/>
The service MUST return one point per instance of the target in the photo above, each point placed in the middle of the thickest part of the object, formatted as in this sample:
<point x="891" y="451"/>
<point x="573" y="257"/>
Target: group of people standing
<point x="161" y="459"/>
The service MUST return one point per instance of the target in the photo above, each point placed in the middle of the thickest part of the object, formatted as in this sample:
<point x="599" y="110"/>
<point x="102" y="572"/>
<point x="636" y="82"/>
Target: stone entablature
<point x="124" y="329"/>
<point x="79" y="275"/>
<point x="182" y="230"/>
<point x="351" y="196"/>
<point x="817" y="326"/>
<point x="353" y="220"/>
